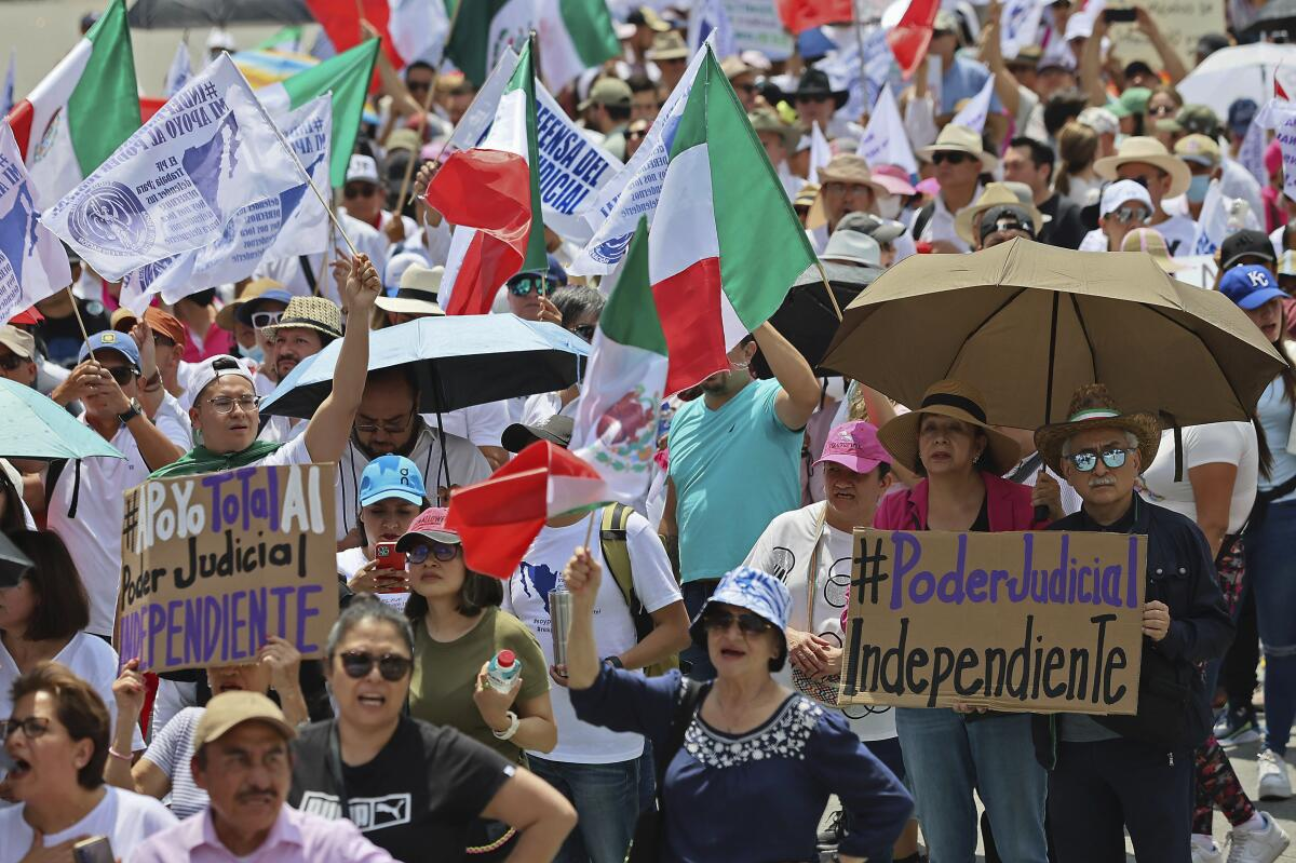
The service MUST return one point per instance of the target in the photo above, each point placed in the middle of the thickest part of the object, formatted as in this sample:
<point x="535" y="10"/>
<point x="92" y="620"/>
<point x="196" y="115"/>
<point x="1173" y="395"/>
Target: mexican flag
<point x="725" y="245"/>
<point x="493" y="189"/>
<point x="499" y="518"/>
<point x="82" y="112"/>
<point x="346" y="76"/>
<point x="616" y="424"/>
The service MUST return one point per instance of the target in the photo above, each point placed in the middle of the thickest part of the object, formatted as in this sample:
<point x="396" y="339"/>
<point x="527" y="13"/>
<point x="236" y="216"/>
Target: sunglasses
<point x="442" y="551"/>
<point x="585" y="331"/>
<point x="1125" y="215"/>
<point x="1088" y="460"/>
<point x="121" y="374"/>
<point x="11" y="362"/>
<point x="1161" y="111"/>
<point x="261" y="320"/>
<point x="32" y="726"/>
<point x="749" y="623"/>
<point x="746" y="88"/>
<point x="418" y="86"/>
<point x="359" y="190"/>
<point x="393" y="667"/>
<point x="953" y="158"/>
<point x="523" y="287"/>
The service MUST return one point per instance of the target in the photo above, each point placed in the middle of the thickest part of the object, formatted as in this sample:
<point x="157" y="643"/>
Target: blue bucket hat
<point x="758" y="592"/>
<point x="392" y="476"/>
<point x="111" y="340"/>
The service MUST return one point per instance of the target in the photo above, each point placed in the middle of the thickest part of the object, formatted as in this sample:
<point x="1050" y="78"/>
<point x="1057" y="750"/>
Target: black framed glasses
<point x="749" y="623"/>
<point x="1113" y="457"/>
<point x="951" y="156"/>
<point x="32" y="727"/>
<point x="392" y="666"/>
<point x="10" y="362"/>
<point x="442" y="551"/>
<point x="225" y="404"/>
<point x="1162" y="111"/>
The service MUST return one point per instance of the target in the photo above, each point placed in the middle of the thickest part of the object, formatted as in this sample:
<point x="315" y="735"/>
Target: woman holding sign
<point x="950" y="753"/>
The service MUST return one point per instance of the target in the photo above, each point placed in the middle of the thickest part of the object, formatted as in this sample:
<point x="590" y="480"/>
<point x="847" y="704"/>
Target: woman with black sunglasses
<point x="413" y="788"/>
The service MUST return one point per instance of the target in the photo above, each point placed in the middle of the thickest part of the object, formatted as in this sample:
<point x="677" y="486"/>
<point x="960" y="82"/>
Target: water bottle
<point x="503" y="669"/>
<point x="560" y="613"/>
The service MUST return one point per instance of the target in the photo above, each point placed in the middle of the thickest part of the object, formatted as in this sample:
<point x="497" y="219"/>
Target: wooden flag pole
<point x="827" y="287"/>
<point x="427" y="106"/>
<point x="77" y="312"/>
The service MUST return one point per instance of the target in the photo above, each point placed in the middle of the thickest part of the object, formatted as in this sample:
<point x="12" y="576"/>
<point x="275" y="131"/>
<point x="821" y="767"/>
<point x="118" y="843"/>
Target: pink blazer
<point x="1009" y="506"/>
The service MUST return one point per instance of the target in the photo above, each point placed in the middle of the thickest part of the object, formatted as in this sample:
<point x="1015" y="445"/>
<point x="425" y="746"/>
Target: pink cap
<point x="893" y="178"/>
<point x="429" y="523"/>
<point x="855" y="446"/>
<point x="929" y="186"/>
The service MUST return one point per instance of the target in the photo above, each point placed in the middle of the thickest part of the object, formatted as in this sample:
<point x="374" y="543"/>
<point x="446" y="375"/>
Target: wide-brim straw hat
<point x="956" y="400"/>
<point x="312" y="313"/>
<point x="1093" y="407"/>
<point x="843" y="168"/>
<point x="960" y="139"/>
<point x="1147" y="151"/>
<point x="968" y="219"/>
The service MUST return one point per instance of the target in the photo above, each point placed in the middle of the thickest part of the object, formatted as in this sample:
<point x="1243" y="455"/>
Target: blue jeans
<point x="946" y="757"/>
<point x="696" y="593"/>
<point x="1271" y="573"/>
<point x="606" y="797"/>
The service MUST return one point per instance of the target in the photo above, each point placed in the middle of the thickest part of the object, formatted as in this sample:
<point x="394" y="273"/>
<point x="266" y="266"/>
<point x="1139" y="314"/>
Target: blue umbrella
<point x="458" y="361"/>
<point x="32" y="426"/>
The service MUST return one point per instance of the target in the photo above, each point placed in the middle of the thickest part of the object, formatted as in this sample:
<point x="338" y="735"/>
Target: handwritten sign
<point x="214" y="564"/>
<point x="1040" y="621"/>
<point x="756" y="26"/>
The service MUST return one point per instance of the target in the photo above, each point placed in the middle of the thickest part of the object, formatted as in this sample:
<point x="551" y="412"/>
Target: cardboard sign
<point x="214" y="564"/>
<point x="1028" y="622"/>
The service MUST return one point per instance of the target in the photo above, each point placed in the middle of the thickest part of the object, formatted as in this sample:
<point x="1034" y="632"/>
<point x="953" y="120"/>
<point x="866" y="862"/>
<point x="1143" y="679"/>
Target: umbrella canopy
<point x="13" y="563"/>
<point x="1240" y="72"/>
<point x="1029" y="323"/>
<point x="148" y="14"/>
<point x="807" y="318"/>
<point x="1276" y="21"/>
<point x="458" y="361"/>
<point x="34" y="427"/>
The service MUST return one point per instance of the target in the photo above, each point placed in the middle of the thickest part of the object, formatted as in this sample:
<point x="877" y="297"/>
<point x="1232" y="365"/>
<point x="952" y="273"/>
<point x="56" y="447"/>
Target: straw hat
<point x="1093" y="407"/>
<point x="768" y="120"/>
<point x="843" y="168"/>
<point x="1150" y="240"/>
<point x="806" y="197"/>
<point x="667" y="46"/>
<point x="956" y="400"/>
<point x="960" y="139"/>
<point x="994" y="195"/>
<point x="417" y="294"/>
<point x="1146" y="151"/>
<point x="313" y="313"/>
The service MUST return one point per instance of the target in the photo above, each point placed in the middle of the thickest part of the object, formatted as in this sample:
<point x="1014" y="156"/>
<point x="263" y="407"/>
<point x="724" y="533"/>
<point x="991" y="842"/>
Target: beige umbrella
<point x="1028" y="323"/>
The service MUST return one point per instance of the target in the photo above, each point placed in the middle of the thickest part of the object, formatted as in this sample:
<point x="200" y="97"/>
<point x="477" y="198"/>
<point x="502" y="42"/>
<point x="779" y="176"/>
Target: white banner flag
<point x="177" y="182"/>
<point x="419" y="29"/>
<point x="33" y="264"/>
<point x="1019" y="26"/>
<point x="288" y="225"/>
<point x="820" y="152"/>
<point x="1280" y="115"/>
<point x="179" y="73"/>
<point x="707" y="17"/>
<point x="974" y="113"/>
<point x="885" y="141"/>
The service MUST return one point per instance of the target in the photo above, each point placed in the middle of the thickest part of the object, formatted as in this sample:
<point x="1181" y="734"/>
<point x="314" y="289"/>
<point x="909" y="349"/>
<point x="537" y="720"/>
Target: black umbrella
<point x="807" y="318"/>
<point x="13" y="563"/>
<point x="148" y="14"/>
<point x="1275" y="23"/>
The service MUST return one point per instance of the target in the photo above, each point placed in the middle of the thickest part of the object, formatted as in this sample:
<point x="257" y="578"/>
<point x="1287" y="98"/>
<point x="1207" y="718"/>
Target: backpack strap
<point x="616" y="556"/>
<point x="920" y="221"/>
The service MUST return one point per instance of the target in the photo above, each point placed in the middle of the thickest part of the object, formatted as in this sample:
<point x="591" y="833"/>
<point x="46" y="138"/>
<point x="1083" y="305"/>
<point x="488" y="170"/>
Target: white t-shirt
<point x="527" y="597"/>
<point x="93" y="538"/>
<point x="171" y="750"/>
<point x="126" y="818"/>
<point x="89" y="658"/>
<point x="482" y="424"/>
<point x="784" y="551"/>
<point x="1179" y="232"/>
<point x="1228" y="442"/>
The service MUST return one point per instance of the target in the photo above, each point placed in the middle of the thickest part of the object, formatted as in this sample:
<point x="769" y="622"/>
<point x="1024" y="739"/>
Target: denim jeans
<point x="606" y="797"/>
<point x="696" y="593"/>
<point x="947" y="757"/>
<point x="1271" y="572"/>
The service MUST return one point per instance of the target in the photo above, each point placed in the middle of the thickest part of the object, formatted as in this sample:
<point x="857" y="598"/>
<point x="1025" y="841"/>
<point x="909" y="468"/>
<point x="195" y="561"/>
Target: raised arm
<point x="800" y="395"/>
<point x="1170" y="59"/>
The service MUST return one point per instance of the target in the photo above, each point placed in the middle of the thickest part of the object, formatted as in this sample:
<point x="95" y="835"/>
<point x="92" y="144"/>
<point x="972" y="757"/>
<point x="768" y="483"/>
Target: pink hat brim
<point x="894" y="185"/>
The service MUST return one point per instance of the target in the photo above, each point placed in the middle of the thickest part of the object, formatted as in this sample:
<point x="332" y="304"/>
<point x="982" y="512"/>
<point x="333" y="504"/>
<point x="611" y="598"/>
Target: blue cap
<point x="245" y="309"/>
<point x="758" y="592"/>
<point x="1249" y="286"/>
<point x="391" y="476"/>
<point x="110" y="340"/>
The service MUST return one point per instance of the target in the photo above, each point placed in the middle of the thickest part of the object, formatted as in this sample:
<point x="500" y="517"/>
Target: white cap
<point x="1079" y="26"/>
<point x="1123" y="192"/>
<point x="203" y="373"/>
<point x="221" y="39"/>
<point x="1101" y="120"/>
<point x="362" y="167"/>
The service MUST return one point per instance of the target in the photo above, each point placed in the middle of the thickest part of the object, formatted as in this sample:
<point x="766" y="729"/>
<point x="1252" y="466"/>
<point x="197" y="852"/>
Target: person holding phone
<point x="391" y="496"/>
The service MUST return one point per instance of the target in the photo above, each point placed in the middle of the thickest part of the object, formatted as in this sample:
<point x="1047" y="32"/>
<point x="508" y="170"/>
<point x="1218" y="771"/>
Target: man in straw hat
<point x="960" y="160"/>
<point x="416" y="297"/>
<point x="1112" y="773"/>
<point x="1147" y="162"/>
<point x="305" y="328"/>
<point x="979" y="224"/>
<point x="845" y="186"/>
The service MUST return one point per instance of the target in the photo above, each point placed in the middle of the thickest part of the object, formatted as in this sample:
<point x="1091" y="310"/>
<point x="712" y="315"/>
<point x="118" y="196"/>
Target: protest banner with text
<point x="1038" y="621"/>
<point x="214" y="564"/>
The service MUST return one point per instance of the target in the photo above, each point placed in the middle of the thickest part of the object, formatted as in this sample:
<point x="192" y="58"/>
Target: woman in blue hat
<point x="391" y="497"/>
<point x="745" y="766"/>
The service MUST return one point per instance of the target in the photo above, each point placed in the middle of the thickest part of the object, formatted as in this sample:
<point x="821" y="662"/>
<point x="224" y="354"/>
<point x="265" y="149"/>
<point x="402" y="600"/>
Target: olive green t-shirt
<point x="445" y="675"/>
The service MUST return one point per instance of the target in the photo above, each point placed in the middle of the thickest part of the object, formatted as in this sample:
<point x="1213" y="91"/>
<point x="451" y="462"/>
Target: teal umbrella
<point x="32" y="426"/>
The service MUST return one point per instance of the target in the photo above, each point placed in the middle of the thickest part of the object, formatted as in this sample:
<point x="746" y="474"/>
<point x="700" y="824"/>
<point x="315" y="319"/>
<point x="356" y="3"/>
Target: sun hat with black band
<point x="1144" y="150"/>
<point x="967" y="224"/>
<point x="960" y="139"/>
<point x="417" y="294"/>
<point x="556" y="429"/>
<point x="956" y="400"/>
<point x="1092" y="407"/>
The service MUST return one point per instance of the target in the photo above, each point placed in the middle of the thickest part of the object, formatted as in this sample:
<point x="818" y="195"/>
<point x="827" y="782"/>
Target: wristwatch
<point x="134" y="411"/>
<point x="614" y="661"/>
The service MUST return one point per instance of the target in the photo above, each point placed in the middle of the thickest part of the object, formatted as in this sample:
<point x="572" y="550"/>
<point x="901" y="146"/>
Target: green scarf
<point x="202" y="460"/>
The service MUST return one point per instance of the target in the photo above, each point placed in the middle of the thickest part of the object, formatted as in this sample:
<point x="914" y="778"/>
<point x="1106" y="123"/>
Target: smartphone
<point x="388" y="557"/>
<point x="97" y="849"/>
<point x="1120" y="15"/>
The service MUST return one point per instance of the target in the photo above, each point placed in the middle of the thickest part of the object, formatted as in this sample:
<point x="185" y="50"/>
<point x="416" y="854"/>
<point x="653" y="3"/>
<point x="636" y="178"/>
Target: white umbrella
<point x="1241" y="72"/>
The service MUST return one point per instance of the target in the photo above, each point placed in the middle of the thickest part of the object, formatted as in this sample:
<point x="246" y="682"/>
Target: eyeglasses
<point x="585" y="331"/>
<point x="225" y="404"/>
<point x="749" y="623"/>
<point x="121" y="374"/>
<point x="396" y="426"/>
<point x="261" y="320"/>
<point x="522" y="287"/>
<point x="954" y="158"/>
<point x="393" y="667"/>
<point x="359" y="190"/>
<point x="1161" y="111"/>
<point x="11" y="362"/>
<point x="1125" y="215"/>
<point x="32" y="727"/>
<point x="442" y="551"/>
<point x="1088" y="460"/>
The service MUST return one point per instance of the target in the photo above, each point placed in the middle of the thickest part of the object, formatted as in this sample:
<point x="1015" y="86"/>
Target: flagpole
<point x="828" y="288"/>
<point x="427" y="106"/>
<point x="77" y="312"/>
<point x="863" y="66"/>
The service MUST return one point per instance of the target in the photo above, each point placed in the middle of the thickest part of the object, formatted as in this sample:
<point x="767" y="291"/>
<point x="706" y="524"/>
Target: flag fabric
<point x="346" y="76"/>
<point x="179" y="73"/>
<point x="572" y="36"/>
<point x="483" y="29"/>
<point x="477" y="119"/>
<point x="616" y="423"/>
<point x="500" y="517"/>
<point x="801" y="15"/>
<point x="885" y="141"/>
<point x="340" y="20"/>
<point x="974" y="113"/>
<point x="285" y="226"/>
<point x="1251" y="153"/>
<point x="419" y="29"/>
<point x="7" y="92"/>
<point x="33" y="263"/>
<point x="820" y="152"/>
<point x="708" y="17"/>
<point x="82" y="111"/>
<point x="178" y="181"/>
<point x="911" y="36"/>
<point x="495" y="188"/>
<point x="1019" y="26"/>
<point x="725" y="244"/>
<point x="286" y="39"/>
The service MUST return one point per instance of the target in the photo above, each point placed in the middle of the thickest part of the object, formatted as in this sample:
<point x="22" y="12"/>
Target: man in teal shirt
<point x="734" y="465"/>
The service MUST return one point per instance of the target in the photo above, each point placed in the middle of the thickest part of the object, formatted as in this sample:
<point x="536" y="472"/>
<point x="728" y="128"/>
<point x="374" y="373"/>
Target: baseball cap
<point x="1246" y="244"/>
<point x="1198" y="149"/>
<point x="165" y="324"/>
<point x="1006" y="217"/>
<point x="1101" y="120"/>
<point x="609" y="91"/>
<point x="19" y="342"/>
<point x="854" y="445"/>
<point x="1198" y="120"/>
<point x="430" y="524"/>
<point x="391" y="476"/>
<point x="123" y="319"/>
<point x="556" y="429"/>
<point x="111" y="340"/>
<point x="1250" y="286"/>
<point x="1138" y="67"/>
<point x="1240" y="114"/>
<point x="230" y="709"/>
<point x="362" y="168"/>
<point x="204" y="373"/>
<point x="1123" y="192"/>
